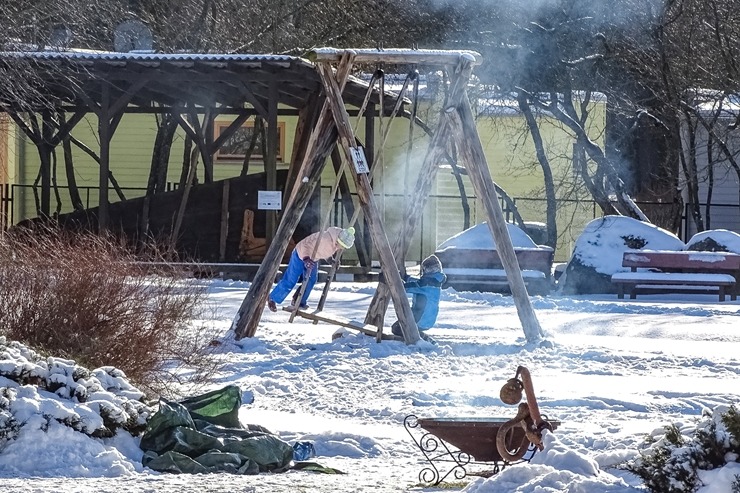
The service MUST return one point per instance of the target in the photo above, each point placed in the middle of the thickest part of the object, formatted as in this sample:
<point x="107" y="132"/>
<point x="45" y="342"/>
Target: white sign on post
<point x="359" y="160"/>
<point x="269" y="200"/>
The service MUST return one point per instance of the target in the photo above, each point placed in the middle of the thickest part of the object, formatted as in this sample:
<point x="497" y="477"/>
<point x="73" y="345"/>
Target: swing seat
<point x="369" y="330"/>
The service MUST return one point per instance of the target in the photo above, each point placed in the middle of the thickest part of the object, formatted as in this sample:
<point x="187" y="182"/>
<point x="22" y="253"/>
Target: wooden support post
<point x="370" y="116"/>
<point x="470" y="148"/>
<point x="323" y="139"/>
<point x="208" y="125"/>
<point x="105" y="138"/>
<point x="415" y="205"/>
<point x="46" y="148"/>
<point x="144" y="224"/>
<point x="224" y="221"/>
<point x="372" y="214"/>
<point x="271" y="158"/>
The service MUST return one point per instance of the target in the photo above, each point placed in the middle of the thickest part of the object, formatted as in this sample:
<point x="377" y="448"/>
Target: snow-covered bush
<point x="677" y="461"/>
<point x="35" y="389"/>
<point x="84" y="297"/>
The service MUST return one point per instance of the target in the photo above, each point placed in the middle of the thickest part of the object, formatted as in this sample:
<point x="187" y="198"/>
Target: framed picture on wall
<point x="235" y="147"/>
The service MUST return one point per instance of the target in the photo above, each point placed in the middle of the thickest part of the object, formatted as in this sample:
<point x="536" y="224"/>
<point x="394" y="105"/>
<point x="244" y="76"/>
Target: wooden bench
<point x="678" y="272"/>
<point x="482" y="270"/>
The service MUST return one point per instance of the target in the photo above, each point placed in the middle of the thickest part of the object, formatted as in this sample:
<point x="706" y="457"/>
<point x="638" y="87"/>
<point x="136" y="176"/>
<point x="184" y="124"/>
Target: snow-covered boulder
<point x="715" y="240"/>
<point x="598" y="252"/>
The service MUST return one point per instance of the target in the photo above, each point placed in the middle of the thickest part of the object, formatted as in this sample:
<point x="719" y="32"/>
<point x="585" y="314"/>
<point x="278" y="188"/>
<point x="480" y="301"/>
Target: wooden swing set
<point x="456" y="127"/>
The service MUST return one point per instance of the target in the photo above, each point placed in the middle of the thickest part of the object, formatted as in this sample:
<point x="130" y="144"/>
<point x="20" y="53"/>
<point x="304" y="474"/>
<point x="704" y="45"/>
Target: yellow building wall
<point x="508" y="148"/>
<point x="8" y="149"/>
<point x="513" y="164"/>
<point x="131" y="155"/>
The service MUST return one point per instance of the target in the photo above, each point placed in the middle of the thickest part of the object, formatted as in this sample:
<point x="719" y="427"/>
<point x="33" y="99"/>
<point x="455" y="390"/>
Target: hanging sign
<point x="269" y="200"/>
<point x="359" y="160"/>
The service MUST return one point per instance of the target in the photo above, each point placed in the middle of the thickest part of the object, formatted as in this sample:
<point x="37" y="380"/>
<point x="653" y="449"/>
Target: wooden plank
<point x="224" y="233"/>
<point x="369" y="330"/>
<point x="471" y="149"/>
<point x="703" y="261"/>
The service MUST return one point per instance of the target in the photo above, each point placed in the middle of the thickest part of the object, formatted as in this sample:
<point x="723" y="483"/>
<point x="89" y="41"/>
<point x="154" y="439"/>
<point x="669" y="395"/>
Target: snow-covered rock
<point x="598" y="252"/>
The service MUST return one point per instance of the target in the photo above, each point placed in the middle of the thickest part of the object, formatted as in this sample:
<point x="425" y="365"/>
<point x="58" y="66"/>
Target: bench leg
<point x="633" y="292"/>
<point x="620" y="292"/>
<point x="722" y="293"/>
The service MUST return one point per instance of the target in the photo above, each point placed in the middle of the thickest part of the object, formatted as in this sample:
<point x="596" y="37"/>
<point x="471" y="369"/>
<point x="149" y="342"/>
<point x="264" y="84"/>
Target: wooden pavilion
<point x="194" y="89"/>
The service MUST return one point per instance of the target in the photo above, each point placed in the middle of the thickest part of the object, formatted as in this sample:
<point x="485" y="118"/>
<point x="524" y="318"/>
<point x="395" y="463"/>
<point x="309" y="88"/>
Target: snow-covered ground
<point x="616" y="371"/>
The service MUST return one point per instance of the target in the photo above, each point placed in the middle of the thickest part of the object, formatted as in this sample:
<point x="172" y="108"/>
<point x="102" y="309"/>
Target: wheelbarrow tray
<point x="474" y="436"/>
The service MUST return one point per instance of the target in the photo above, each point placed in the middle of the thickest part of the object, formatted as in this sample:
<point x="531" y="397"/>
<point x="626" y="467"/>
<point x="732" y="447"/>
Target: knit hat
<point x="346" y="237"/>
<point x="430" y="265"/>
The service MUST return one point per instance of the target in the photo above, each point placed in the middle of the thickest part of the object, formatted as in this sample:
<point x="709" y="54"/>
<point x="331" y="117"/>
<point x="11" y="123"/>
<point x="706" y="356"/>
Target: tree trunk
<point x="549" y="182"/>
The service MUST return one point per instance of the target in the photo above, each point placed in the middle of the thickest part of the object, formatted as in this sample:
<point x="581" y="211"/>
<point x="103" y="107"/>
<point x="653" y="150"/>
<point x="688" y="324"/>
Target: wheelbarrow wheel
<point x="505" y="442"/>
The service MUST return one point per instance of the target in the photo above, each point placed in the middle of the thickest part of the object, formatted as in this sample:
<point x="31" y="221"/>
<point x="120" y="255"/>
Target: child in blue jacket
<point x="426" y="291"/>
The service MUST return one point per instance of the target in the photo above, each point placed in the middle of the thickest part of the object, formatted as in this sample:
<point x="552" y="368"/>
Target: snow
<point x="603" y="241"/>
<point x="730" y="239"/>
<point x="479" y="237"/>
<point x="617" y="371"/>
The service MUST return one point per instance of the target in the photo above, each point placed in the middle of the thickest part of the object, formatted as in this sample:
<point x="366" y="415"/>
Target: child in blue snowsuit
<point x="426" y="291"/>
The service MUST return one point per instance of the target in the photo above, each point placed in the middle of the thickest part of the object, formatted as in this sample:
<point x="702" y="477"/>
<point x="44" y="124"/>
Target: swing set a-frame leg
<point x="329" y="280"/>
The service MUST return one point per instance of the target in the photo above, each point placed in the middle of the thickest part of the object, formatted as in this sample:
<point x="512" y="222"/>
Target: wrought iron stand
<point x="445" y="461"/>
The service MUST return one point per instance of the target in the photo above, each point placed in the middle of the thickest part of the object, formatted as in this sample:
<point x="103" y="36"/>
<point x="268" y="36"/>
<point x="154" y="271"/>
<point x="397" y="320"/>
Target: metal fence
<point x="442" y="216"/>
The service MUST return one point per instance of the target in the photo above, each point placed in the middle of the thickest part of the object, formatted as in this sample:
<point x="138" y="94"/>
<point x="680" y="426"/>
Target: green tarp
<point x="203" y="434"/>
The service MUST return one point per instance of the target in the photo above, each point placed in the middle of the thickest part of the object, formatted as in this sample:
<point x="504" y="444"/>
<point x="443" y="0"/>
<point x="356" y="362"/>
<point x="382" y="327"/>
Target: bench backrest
<point x="529" y="259"/>
<point x="684" y="260"/>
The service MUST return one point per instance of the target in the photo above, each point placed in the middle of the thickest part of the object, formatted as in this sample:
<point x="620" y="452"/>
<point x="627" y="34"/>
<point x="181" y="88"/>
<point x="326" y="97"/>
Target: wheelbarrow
<point x="481" y="446"/>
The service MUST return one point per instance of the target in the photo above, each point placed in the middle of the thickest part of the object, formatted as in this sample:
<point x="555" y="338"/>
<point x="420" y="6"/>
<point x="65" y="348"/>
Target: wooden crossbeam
<point x="366" y="329"/>
<point x="396" y="56"/>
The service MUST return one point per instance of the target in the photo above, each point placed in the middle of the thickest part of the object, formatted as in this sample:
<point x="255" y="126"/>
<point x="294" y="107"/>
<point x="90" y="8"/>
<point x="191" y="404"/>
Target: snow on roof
<point x="91" y="55"/>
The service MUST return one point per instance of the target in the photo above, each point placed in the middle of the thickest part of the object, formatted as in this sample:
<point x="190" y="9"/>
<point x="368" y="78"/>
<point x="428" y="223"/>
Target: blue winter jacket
<point x="426" y="291"/>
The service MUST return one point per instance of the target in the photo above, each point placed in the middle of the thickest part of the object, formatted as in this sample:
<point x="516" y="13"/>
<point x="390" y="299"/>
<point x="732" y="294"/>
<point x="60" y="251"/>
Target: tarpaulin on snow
<point x="203" y="434"/>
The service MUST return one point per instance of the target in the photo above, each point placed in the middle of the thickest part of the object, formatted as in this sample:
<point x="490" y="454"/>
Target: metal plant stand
<point x="458" y="447"/>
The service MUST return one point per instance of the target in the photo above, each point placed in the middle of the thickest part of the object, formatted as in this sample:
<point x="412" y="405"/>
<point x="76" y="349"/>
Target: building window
<point x="235" y="147"/>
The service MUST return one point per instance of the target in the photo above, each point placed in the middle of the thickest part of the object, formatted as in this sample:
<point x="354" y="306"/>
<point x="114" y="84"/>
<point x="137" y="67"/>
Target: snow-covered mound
<point x="598" y="251"/>
<point x="715" y="240"/>
<point x="36" y="391"/>
<point x="479" y="238"/>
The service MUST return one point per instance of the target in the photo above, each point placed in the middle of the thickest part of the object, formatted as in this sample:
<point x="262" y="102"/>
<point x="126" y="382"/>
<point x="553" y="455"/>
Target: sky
<point x="616" y="372"/>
